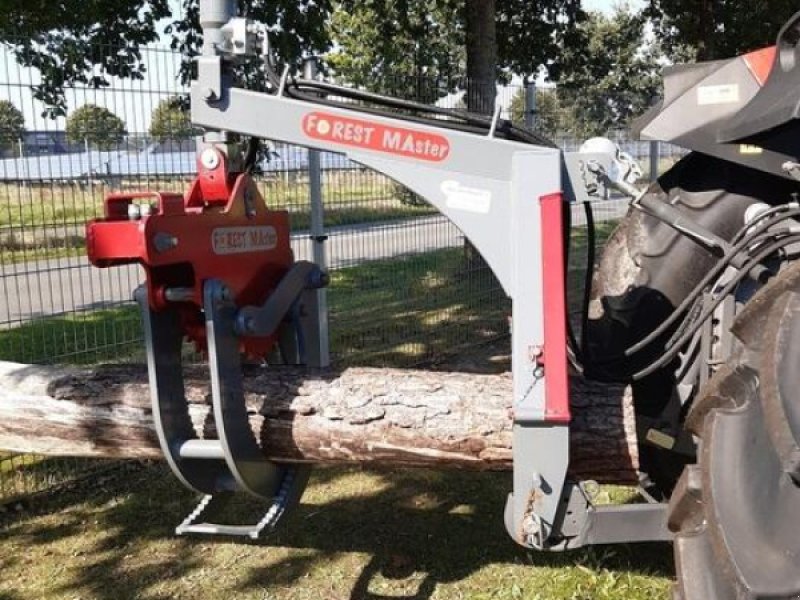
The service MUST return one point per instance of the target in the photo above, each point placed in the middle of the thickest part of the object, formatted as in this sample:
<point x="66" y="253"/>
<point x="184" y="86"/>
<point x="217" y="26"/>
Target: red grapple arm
<point x="220" y="229"/>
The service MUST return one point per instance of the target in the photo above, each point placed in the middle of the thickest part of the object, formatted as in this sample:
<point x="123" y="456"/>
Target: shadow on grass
<point x="440" y="527"/>
<point x="414" y="310"/>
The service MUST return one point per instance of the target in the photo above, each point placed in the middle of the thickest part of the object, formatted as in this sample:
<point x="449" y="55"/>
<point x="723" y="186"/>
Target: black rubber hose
<point x="588" y="278"/>
<point x="251" y="156"/>
<point x="471" y="123"/>
<point x="468" y="118"/>
<point x="576" y="354"/>
<point x="670" y="355"/>
<point x="713" y="274"/>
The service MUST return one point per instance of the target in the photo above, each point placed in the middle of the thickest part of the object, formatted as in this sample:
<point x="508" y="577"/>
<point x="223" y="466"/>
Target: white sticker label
<point x="750" y="149"/>
<point x="709" y="95"/>
<point x="239" y="240"/>
<point x="466" y="198"/>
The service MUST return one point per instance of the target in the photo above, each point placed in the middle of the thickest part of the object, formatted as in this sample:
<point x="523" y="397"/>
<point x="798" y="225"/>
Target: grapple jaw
<point x="220" y="271"/>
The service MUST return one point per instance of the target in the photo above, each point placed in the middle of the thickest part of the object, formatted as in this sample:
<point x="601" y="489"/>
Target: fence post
<point x="318" y="237"/>
<point x="530" y="105"/>
<point x="655" y="155"/>
<point x="22" y="173"/>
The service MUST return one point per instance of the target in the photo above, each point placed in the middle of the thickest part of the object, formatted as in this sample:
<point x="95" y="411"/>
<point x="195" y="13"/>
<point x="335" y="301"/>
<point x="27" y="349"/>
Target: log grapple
<point x="219" y="272"/>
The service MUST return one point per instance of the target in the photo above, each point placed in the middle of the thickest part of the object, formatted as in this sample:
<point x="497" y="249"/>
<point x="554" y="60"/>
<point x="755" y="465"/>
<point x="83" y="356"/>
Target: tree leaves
<point x="613" y="74"/>
<point x="718" y="28"/>
<point x="75" y="41"/>
<point x="12" y="125"/>
<point x="97" y="126"/>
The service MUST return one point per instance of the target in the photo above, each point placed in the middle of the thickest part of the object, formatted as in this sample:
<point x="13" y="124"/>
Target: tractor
<point x="694" y="302"/>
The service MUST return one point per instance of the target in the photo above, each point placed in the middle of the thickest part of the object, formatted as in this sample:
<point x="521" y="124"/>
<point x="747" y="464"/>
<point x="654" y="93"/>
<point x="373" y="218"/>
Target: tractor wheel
<point x="736" y="513"/>
<point x="647" y="269"/>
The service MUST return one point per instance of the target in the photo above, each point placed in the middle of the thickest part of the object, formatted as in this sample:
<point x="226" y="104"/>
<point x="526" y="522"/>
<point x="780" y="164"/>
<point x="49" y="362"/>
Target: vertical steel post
<point x="213" y="15"/>
<point x="655" y="155"/>
<point x="530" y="105"/>
<point x="318" y="238"/>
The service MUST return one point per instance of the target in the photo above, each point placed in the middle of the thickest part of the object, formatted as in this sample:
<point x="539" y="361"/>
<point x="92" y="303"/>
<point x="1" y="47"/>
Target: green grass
<point x="47" y="221"/>
<point x="82" y="338"/>
<point x="357" y="535"/>
<point x="397" y="311"/>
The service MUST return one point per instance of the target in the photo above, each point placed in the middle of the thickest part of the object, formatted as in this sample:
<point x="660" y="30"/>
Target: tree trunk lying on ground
<point x="381" y="417"/>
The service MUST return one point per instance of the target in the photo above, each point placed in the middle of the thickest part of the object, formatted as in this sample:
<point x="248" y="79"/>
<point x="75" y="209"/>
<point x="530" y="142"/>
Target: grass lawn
<point x="47" y="220"/>
<point x="359" y="534"/>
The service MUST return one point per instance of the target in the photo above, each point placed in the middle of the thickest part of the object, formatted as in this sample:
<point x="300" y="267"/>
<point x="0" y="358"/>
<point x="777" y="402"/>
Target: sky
<point x="606" y="5"/>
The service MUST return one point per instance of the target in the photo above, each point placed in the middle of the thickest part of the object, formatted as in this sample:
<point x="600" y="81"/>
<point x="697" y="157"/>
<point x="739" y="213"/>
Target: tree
<point x="548" y="118"/>
<point x="614" y="74"/>
<point x="76" y="41"/>
<point x="718" y="28"/>
<point x="481" y="28"/>
<point x="171" y="121"/>
<point x="486" y="39"/>
<point x="12" y="125"/>
<point x="98" y="126"/>
<point x="410" y="49"/>
<point x="69" y="41"/>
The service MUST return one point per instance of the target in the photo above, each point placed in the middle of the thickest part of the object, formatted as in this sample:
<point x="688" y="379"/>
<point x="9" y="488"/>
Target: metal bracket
<point x="580" y="522"/>
<point x="209" y="77"/>
<point x="264" y="320"/>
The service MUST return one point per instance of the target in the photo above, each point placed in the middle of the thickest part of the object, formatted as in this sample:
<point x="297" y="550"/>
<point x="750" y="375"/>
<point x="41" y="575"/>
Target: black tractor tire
<point x="736" y="512"/>
<point x="647" y="269"/>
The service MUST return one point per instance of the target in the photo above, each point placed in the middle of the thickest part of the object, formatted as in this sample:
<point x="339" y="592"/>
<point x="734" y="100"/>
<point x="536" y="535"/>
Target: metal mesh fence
<point x="405" y="288"/>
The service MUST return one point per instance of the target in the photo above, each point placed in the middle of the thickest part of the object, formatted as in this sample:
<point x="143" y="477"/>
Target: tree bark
<point x="481" y="41"/>
<point x="481" y="34"/>
<point x="382" y="417"/>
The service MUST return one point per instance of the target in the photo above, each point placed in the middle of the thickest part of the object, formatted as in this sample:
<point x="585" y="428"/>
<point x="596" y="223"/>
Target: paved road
<point x="58" y="286"/>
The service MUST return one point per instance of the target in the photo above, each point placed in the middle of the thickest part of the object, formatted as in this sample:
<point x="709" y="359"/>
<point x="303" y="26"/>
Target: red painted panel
<point x="183" y="242"/>
<point x="555" y="310"/>
<point x="760" y="63"/>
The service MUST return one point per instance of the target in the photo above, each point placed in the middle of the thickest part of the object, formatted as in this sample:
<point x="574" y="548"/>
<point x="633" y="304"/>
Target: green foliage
<point x="171" y="121"/>
<point x="77" y="41"/>
<point x="377" y="38"/>
<point x="71" y="41"/>
<point x="12" y="125"/>
<point x="530" y="35"/>
<point x="718" y="28"/>
<point x="548" y="113"/>
<point x="388" y="46"/>
<point x="98" y="126"/>
<point x="613" y="77"/>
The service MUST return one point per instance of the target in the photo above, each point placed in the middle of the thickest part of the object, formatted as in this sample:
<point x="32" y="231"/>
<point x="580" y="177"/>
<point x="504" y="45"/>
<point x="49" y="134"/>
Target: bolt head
<point x="209" y="159"/>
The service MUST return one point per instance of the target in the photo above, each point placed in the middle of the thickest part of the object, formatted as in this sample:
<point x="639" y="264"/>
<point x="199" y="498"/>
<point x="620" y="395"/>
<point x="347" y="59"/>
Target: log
<point x="381" y="417"/>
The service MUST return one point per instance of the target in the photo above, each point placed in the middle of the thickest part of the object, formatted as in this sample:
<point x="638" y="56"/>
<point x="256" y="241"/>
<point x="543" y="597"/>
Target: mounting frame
<point x="508" y="199"/>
